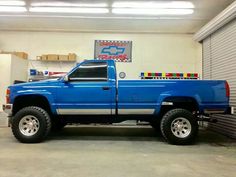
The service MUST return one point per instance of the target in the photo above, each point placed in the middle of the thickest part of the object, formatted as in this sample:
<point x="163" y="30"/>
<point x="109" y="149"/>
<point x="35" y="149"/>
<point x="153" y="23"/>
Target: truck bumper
<point x="7" y="108"/>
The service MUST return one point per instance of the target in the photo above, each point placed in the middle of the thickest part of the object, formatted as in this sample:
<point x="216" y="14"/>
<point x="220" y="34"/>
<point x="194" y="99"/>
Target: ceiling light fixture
<point x="67" y="4"/>
<point x="12" y="9"/>
<point x="12" y="3"/>
<point x="154" y="4"/>
<point x="69" y="10"/>
<point x="152" y="11"/>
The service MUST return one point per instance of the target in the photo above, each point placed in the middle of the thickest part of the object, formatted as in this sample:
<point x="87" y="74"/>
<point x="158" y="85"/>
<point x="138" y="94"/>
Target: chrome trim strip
<point x="136" y="111"/>
<point x="113" y="111"/>
<point x="83" y="111"/>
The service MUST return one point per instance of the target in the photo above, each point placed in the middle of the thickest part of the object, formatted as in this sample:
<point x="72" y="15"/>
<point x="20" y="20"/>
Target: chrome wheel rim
<point x="181" y="127"/>
<point x="29" y="125"/>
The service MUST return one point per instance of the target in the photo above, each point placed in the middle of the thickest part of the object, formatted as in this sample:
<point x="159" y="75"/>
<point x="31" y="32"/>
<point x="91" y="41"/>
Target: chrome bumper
<point x="7" y="108"/>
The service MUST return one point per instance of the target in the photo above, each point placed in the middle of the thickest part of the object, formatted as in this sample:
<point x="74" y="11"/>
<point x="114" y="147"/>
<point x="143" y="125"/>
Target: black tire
<point x="173" y="134"/>
<point x="43" y="121"/>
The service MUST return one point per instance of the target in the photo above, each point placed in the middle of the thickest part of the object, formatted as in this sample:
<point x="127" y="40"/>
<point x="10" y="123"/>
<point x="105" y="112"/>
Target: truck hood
<point x="38" y="83"/>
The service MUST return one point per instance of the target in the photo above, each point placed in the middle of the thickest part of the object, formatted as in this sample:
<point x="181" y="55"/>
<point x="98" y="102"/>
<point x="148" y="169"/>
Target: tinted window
<point x="93" y="71"/>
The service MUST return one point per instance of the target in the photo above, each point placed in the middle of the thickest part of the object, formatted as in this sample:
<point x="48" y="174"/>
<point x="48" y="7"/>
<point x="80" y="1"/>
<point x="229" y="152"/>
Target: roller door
<point x="219" y="62"/>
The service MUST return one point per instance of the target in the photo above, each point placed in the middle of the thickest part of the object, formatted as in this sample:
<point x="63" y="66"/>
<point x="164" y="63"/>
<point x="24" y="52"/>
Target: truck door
<point x="88" y="91"/>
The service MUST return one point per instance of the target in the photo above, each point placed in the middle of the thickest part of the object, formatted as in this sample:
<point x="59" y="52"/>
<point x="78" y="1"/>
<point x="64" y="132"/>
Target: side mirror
<point x="66" y="78"/>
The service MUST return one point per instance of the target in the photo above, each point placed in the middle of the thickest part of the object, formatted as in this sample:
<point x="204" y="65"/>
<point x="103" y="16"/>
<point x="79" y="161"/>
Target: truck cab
<point x="88" y="89"/>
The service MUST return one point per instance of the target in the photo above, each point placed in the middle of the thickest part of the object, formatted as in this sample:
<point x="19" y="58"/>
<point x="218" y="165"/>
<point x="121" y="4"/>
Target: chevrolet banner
<point x="119" y="51"/>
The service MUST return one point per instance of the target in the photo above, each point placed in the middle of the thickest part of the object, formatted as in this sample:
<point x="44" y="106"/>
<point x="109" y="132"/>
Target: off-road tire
<point x="166" y="123"/>
<point x="43" y="119"/>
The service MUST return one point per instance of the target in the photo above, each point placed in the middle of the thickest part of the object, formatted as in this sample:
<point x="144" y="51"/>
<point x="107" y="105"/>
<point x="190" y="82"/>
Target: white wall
<point x="19" y="68"/>
<point x="151" y="52"/>
<point x="11" y="68"/>
<point x="5" y="67"/>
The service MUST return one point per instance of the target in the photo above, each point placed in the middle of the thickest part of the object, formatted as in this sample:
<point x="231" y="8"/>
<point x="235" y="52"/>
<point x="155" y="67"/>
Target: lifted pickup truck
<point x="91" y="93"/>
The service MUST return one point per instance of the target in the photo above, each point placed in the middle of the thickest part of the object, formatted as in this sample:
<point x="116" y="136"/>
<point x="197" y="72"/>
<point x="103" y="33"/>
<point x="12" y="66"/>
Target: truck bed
<point x="148" y="95"/>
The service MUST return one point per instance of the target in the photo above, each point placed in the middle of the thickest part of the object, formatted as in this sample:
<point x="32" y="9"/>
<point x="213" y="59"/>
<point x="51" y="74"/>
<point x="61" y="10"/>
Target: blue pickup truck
<point x="91" y="93"/>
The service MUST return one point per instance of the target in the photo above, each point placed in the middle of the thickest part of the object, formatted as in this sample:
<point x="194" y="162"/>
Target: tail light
<point x="227" y="89"/>
<point x="8" y="96"/>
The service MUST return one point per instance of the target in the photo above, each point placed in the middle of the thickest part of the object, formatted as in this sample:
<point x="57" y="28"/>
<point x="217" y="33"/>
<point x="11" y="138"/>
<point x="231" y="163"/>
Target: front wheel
<point x="31" y="125"/>
<point x="179" y="127"/>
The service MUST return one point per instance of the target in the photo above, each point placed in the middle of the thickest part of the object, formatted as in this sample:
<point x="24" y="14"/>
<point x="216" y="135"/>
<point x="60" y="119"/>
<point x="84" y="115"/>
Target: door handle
<point x="105" y="88"/>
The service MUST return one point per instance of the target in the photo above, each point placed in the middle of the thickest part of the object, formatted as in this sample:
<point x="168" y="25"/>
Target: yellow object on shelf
<point x="56" y="57"/>
<point x="21" y="55"/>
<point x="72" y="57"/>
<point x="63" y="57"/>
<point x="44" y="57"/>
<point x="52" y="57"/>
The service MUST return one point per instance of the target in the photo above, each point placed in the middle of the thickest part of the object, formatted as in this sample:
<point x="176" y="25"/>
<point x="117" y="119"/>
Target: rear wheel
<point x="179" y="127"/>
<point x="31" y="125"/>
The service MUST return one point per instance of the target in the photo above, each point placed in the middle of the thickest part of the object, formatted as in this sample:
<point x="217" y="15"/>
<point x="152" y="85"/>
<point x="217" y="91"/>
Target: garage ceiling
<point x="204" y="11"/>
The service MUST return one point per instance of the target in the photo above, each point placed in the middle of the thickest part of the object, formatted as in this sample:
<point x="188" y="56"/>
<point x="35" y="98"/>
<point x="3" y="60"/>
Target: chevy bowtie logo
<point x="113" y="50"/>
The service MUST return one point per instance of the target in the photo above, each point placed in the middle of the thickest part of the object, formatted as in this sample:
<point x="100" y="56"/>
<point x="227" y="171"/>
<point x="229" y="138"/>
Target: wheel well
<point x="187" y="103"/>
<point x="31" y="100"/>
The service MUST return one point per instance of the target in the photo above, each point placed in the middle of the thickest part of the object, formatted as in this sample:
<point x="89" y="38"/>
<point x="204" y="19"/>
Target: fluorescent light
<point x="12" y="3"/>
<point x="12" y="9"/>
<point x="67" y="4"/>
<point x="154" y="4"/>
<point x="68" y="10"/>
<point x="152" y="11"/>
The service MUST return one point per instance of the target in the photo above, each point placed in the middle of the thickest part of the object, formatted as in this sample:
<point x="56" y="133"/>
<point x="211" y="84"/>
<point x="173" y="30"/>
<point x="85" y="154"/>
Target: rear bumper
<point x="7" y="108"/>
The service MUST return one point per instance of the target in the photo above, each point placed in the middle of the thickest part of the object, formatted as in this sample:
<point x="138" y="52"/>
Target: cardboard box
<point x="44" y="57"/>
<point x="21" y="55"/>
<point x="63" y="57"/>
<point x="52" y="57"/>
<point x="72" y="57"/>
<point x="38" y="57"/>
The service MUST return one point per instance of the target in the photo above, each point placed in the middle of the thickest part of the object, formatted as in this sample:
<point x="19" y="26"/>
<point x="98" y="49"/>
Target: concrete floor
<point x="3" y="119"/>
<point x="116" y="152"/>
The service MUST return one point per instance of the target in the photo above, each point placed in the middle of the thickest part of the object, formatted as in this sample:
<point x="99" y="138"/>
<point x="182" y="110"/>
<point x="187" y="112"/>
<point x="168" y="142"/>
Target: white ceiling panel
<point x="204" y="11"/>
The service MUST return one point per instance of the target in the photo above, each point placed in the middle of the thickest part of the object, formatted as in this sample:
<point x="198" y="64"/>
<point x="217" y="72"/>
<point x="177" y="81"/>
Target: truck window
<point x="93" y="71"/>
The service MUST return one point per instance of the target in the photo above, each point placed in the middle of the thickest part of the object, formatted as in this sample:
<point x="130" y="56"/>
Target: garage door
<point x="207" y="58"/>
<point x="219" y="62"/>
